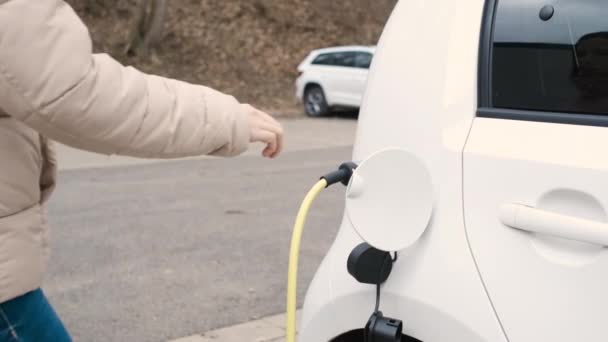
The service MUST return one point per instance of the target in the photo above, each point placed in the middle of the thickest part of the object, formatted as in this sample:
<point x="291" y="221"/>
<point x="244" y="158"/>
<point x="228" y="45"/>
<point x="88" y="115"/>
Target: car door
<point x="344" y="75"/>
<point x="536" y="169"/>
<point x="332" y="72"/>
<point x="363" y="61"/>
<point x="323" y="70"/>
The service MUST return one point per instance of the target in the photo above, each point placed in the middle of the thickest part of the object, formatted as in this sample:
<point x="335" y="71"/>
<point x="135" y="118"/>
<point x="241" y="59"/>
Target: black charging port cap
<point x="369" y="265"/>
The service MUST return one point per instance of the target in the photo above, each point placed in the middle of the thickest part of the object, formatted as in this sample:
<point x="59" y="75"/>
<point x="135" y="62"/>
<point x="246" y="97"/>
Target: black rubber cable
<point x="386" y="261"/>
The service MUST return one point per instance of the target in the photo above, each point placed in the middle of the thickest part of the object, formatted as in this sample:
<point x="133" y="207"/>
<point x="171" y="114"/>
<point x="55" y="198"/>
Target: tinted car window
<point x="324" y="59"/>
<point x="557" y="64"/>
<point x="363" y="60"/>
<point x="345" y="59"/>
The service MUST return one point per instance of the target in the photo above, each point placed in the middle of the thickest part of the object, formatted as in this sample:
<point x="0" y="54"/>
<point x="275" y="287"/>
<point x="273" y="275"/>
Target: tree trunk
<point x="147" y="28"/>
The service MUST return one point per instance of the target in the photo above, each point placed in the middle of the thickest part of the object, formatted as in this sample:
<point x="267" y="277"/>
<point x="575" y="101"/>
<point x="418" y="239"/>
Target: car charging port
<point x="383" y="329"/>
<point x="369" y="265"/>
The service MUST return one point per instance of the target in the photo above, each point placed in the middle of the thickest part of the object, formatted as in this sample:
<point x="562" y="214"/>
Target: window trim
<point x="484" y="95"/>
<point x="486" y="108"/>
<point x="548" y="117"/>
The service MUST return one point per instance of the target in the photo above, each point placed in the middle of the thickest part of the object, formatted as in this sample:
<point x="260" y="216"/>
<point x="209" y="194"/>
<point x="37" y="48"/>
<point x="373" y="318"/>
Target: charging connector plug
<point x="342" y="175"/>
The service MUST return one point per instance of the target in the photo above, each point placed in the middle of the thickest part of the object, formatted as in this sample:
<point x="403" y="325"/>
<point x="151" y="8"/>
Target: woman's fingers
<point x="270" y="139"/>
<point x="264" y="128"/>
<point x="278" y="131"/>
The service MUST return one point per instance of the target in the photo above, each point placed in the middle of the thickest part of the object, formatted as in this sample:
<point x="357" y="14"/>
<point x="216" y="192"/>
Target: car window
<point x="363" y="60"/>
<point x="345" y="59"/>
<point x="324" y="59"/>
<point x="551" y="56"/>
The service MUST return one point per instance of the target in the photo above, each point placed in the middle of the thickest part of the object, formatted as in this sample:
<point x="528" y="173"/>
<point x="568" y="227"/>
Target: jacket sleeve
<point x="51" y="81"/>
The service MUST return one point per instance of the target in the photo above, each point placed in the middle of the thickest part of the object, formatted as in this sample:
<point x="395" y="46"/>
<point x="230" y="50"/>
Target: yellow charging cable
<point x="343" y="175"/>
<point x="292" y="276"/>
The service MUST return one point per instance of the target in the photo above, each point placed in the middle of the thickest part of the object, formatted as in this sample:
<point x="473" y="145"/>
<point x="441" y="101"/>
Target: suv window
<point x="363" y="60"/>
<point x="556" y="64"/>
<point x="324" y="59"/>
<point x="345" y="59"/>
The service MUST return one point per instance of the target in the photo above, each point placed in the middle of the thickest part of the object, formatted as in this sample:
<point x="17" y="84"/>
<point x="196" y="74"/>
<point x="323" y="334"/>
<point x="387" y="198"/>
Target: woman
<point x="53" y="87"/>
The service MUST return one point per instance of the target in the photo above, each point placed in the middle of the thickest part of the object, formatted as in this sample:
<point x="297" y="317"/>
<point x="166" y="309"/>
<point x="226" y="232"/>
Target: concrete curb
<point x="268" y="329"/>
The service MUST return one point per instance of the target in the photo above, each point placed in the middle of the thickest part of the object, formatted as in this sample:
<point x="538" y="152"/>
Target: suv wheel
<point x="315" y="103"/>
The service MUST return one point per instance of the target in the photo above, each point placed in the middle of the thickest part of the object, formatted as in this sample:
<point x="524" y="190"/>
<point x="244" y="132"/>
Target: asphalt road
<point x="151" y="252"/>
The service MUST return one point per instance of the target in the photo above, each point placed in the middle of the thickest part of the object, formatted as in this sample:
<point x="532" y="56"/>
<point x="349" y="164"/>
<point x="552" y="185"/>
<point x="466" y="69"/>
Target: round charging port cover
<point x="389" y="200"/>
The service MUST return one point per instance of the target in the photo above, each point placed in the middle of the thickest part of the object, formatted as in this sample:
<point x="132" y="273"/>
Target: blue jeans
<point x="30" y="318"/>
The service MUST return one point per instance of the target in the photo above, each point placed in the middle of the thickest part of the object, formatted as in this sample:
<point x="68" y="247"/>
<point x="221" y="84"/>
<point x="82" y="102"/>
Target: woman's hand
<point x="265" y="129"/>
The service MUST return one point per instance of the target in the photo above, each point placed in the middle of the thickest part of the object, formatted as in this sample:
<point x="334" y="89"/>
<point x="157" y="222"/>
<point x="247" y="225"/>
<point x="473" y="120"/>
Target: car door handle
<point x="534" y="220"/>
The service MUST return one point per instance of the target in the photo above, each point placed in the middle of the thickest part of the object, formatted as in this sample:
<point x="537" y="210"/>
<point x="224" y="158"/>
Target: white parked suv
<point x="483" y="141"/>
<point x="333" y="77"/>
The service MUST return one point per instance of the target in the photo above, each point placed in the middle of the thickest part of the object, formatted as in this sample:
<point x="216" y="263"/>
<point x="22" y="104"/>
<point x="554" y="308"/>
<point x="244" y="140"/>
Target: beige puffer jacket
<point x="53" y="87"/>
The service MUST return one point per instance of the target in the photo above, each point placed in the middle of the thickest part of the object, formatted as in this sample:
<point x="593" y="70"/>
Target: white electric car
<point x="333" y="77"/>
<point x="483" y="151"/>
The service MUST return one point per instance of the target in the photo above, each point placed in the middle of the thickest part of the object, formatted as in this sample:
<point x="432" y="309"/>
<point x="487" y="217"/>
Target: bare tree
<point x="147" y="27"/>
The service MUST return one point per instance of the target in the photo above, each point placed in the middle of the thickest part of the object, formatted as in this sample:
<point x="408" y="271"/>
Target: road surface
<point x="160" y="250"/>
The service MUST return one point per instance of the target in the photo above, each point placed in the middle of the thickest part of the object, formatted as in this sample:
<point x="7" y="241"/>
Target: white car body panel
<point x="435" y="287"/>
<point x="557" y="284"/>
<point x="516" y="246"/>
